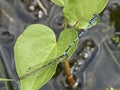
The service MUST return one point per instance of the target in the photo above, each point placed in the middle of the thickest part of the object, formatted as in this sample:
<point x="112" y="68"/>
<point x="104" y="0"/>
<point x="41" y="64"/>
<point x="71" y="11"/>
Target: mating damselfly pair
<point x="65" y="54"/>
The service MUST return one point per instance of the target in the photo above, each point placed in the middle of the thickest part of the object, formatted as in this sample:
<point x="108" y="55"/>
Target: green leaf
<point x="36" y="47"/>
<point x="60" y="2"/>
<point x="82" y="11"/>
<point x="65" y="39"/>
<point x="4" y="79"/>
<point x="110" y="88"/>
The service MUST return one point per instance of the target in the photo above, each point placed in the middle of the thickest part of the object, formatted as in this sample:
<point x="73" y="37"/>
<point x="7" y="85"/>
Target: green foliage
<point x="60" y="2"/>
<point x="116" y="38"/>
<point x="6" y="80"/>
<point x="36" y="47"/>
<point x="116" y="41"/>
<point x="81" y="11"/>
<point x="111" y="89"/>
<point x="65" y="39"/>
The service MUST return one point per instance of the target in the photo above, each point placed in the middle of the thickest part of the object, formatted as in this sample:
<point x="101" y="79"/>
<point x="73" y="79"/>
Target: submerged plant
<point x="111" y="88"/>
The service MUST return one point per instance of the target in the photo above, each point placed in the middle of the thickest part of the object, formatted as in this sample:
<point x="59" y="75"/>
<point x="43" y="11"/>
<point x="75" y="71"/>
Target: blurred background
<point x="95" y="63"/>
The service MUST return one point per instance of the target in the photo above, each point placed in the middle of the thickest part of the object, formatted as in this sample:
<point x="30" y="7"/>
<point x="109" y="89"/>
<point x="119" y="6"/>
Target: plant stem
<point x="70" y="79"/>
<point x="42" y="7"/>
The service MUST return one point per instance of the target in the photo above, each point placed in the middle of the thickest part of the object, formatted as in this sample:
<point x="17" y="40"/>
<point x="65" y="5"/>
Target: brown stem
<point x="69" y="75"/>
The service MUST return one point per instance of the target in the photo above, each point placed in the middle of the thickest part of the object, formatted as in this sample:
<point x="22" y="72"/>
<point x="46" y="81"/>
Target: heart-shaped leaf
<point x="35" y="48"/>
<point x="81" y="11"/>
